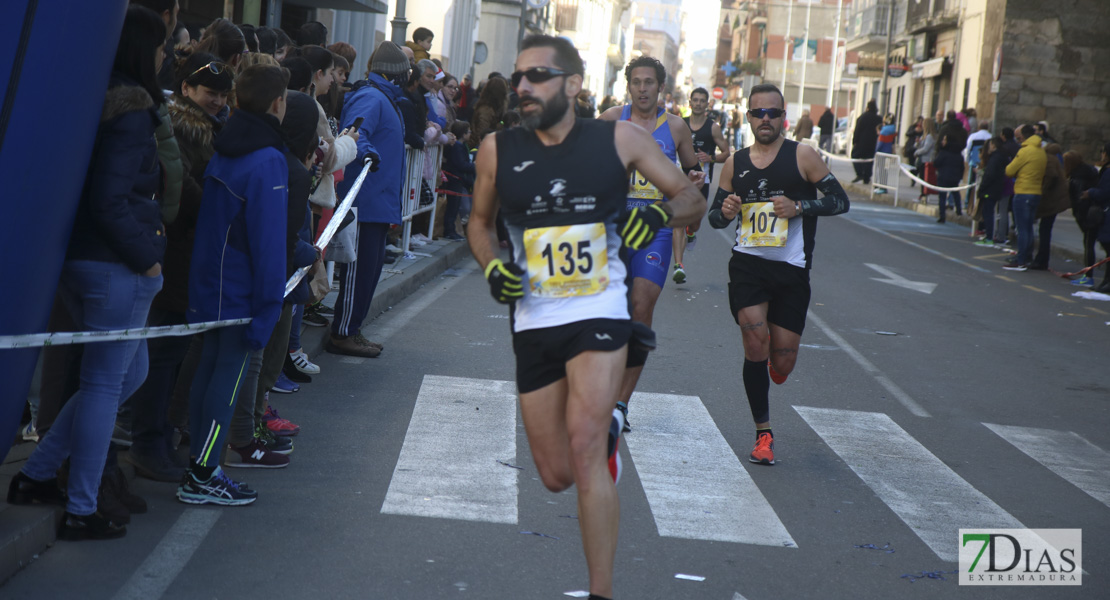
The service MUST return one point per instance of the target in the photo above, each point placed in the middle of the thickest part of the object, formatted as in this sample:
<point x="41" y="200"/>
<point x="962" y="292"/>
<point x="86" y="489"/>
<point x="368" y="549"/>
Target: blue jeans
<point x="100" y="296"/>
<point x="1025" y="210"/>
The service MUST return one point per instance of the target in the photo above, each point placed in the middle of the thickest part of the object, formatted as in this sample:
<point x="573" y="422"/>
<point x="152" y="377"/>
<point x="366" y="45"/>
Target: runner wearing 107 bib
<point x="773" y="187"/>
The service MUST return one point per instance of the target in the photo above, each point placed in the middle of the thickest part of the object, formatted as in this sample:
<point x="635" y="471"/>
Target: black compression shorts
<point x="542" y="354"/>
<point x="783" y="286"/>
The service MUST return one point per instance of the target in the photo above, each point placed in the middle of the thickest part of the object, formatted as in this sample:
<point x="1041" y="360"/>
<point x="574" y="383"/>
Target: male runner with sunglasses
<point x="773" y="185"/>
<point x="561" y="184"/>
<point x="645" y="77"/>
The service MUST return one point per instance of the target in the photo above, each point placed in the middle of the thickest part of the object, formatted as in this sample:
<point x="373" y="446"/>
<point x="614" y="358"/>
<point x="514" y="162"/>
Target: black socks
<point x="596" y="597"/>
<point x="757" y="383"/>
<point x="759" y="432"/>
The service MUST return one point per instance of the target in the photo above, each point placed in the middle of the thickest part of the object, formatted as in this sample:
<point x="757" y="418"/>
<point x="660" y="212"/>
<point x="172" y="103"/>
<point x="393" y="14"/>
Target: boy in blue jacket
<point x="238" y="271"/>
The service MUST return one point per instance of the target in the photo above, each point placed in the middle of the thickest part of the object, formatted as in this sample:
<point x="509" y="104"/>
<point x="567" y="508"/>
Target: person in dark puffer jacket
<point x="112" y="272"/>
<point x="194" y="108"/>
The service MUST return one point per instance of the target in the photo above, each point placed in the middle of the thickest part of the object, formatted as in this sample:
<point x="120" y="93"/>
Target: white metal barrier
<point x="410" y="203"/>
<point x="884" y="175"/>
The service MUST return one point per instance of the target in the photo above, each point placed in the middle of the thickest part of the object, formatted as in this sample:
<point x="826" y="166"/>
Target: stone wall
<point x="1056" y="68"/>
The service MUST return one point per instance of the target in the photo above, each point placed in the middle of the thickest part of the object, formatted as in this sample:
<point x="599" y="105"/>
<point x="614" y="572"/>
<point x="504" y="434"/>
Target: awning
<point x="929" y="68"/>
<point x="373" y="6"/>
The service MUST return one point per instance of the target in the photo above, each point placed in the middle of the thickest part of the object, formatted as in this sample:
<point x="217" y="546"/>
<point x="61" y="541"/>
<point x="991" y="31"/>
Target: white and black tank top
<point x="780" y="178"/>
<point x="704" y="142"/>
<point x="560" y="205"/>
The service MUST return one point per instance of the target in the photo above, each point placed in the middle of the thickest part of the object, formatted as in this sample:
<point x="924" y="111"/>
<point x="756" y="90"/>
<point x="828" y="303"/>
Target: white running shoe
<point x="300" y="360"/>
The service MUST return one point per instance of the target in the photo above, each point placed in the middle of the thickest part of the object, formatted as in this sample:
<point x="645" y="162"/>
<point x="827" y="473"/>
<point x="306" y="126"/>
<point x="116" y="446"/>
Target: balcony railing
<point x="870" y="21"/>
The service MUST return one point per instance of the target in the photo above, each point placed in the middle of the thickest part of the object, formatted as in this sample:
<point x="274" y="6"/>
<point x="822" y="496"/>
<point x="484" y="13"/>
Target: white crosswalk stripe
<point x="697" y="487"/>
<point x="924" y="492"/>
<point x="695" y="484"/>
<point x="1065" y="453"/>
<point x="448" y="466"/>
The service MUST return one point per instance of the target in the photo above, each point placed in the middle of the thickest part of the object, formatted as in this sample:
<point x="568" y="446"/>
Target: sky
<point x="702" y="19"/>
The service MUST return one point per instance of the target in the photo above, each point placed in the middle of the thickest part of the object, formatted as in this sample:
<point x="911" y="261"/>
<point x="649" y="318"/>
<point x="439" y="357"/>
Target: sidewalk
<point x="1067" y="240"/>
<point x="26" y="531"/>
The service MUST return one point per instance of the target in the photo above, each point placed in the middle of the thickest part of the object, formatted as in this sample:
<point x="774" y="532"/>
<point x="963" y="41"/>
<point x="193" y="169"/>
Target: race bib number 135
<point x="567" y="261"/>
<point x="760" y="227"/>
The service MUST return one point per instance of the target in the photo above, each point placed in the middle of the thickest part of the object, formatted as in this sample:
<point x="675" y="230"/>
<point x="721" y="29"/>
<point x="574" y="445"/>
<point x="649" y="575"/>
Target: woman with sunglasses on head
<point x="112" y="271"/>
<point x="778" y="188"/>
<point x="225" y="40"/>
<point x="198" y="109"/>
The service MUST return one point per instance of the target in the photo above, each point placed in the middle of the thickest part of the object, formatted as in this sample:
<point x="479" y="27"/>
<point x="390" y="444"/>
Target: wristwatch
<point x="797" y="208"/>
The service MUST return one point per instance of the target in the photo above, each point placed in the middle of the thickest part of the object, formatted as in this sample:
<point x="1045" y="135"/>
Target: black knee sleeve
<point x="757" y="383"/>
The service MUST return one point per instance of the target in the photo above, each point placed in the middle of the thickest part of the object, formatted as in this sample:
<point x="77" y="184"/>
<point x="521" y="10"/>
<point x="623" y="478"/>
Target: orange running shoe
<point x="764" y="451"/>
<point x="778" y="379"/>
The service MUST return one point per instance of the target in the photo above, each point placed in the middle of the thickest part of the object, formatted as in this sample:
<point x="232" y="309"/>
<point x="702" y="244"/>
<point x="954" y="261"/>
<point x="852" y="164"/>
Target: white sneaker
<point x="300" y="360"/>
<point x="421" y="237"/>
<point x="415" y="243"/>
<point x="29" y="433"/>
<point x="392" y="248"/>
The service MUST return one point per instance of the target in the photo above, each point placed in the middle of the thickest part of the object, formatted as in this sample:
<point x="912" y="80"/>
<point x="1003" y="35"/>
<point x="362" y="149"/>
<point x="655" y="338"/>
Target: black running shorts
<point x="542" y="354"/>
<point x="783" y="286"/>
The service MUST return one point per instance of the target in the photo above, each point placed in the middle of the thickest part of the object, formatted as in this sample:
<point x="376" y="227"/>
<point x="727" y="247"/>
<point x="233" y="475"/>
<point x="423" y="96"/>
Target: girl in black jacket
<point x="992" y="185"/>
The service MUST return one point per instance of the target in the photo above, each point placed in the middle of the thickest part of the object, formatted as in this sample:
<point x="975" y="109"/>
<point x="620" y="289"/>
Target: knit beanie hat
<point x="389" y="60"/>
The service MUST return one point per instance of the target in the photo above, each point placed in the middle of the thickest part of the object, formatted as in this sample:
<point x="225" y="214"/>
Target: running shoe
<point x="276" y="443"/>
<point x="1084" y="281"/>
<point x="985" y="243"/>
<point x="323" y="309"/>
<point x="621" y="406"/>
<point x="454" y="237"/>
<point x="764" y="451"/>
<point x="778" y="379"/>
<point x="615" y="427"/>
<point x="217" y="489"/>
<point x="1015" y="266"/>
<point x="284" y="385"/>
<point x="255" y="455"/>
<point x="30" y="434"/>
<point x="679" y="273"/>
<point x="278" y="425"/>
<point x="314" y="319"/>
<point x="300" y="360"/>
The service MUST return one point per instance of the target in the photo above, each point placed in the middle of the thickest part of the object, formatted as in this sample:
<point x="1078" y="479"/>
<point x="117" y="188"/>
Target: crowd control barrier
<point x="35" y="340"/>
<point x="410" y="203"/>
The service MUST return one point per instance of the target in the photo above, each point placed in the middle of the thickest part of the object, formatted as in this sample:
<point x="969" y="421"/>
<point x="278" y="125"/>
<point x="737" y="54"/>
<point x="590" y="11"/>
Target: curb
<point x="397" y="287"/>
<point x="932" y="210"/>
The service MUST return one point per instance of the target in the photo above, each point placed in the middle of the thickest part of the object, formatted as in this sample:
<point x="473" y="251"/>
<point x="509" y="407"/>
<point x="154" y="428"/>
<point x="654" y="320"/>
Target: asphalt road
<point x="914" y="410"/>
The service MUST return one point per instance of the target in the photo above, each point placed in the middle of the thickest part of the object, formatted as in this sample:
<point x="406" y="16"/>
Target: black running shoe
<point x="217" y="489"/>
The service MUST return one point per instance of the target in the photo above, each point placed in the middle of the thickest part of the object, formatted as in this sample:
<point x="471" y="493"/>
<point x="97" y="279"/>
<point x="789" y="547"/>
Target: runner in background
<point x="707" y="139"/>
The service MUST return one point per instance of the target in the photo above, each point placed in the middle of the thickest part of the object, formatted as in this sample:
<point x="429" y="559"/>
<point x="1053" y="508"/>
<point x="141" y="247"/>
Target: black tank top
<point x="780" y="178"/>
<point x="581" y="180"/>
<point x="704" y="142"/>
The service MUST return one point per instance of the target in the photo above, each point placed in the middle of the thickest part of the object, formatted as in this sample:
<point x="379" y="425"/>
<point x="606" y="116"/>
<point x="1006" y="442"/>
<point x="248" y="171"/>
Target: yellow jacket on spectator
<point x="1028" y="167"/>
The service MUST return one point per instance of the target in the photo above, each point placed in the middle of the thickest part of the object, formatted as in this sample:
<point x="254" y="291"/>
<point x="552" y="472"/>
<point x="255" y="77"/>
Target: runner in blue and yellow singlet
<point x="648" y="268"/>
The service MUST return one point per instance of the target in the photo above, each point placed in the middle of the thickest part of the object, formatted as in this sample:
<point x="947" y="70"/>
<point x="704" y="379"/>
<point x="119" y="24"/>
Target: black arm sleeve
<point x="716" y="219"/>
<point x="696" y="167"/>
<point x="835" y="201"/>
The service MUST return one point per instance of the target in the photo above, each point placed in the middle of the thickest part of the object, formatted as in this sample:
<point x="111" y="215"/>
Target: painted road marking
<point x="170" y="556"/>
<point x="1065" y="453"/>
<point x="900" y="395"/>
<point x="1034" y="288"/>
<point x="1004" y="278"/>
<point x="448" y="466"/>
<point x="1099" y="311"/>
<point x="694" y="482"/>
<point x="919" y="246"/>
<point x="925" y="493"/>
<point x="1063" y="299"/>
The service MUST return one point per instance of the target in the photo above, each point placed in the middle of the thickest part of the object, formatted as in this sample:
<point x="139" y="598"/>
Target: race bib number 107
<point x="567" y="261"/>
<point x="760" y="227"/>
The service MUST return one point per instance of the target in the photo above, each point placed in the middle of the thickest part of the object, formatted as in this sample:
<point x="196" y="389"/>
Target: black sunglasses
<point x="537" y="75"/>
<point x="215" y="67"/>
<point x="759" y="113"/>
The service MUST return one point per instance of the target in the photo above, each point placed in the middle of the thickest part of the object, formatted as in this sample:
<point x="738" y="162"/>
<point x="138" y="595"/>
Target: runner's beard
<point x="552" y="112"/>
<point x="765" y="137"/>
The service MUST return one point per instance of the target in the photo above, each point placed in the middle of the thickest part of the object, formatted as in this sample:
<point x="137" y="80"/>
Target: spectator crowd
<point x="221" y="155"/>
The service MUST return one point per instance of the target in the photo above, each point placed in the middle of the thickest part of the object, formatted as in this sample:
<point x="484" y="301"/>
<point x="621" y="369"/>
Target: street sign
<point x="719" y="93"/>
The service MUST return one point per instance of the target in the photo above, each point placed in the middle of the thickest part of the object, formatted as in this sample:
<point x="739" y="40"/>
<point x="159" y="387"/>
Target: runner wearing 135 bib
<point x="561" y="185"/>
<point x="648" y="267"/>
<point x="773" y="186"/>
